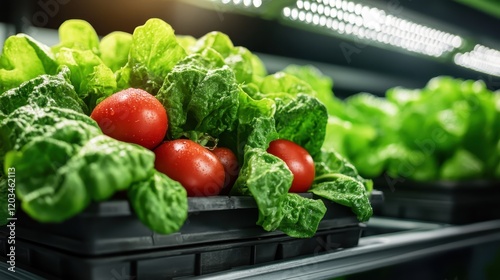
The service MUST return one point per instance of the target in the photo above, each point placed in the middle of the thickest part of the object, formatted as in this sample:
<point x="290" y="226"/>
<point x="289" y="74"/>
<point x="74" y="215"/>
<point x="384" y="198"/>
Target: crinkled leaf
<point x="319" y="82"/>
<point x="160" y="203"/>
<point x="302" y="120"/>
<point x="153" y="54"/>
<point x="301" y="216"/>
<point x="28" y="122"/>
<point x="50" y="189"/>
<point x="347" y="191"/>
<point x="267" y="179"/>
<point x="199" y="97"/>
<point x="42" y="91"/>
<point x="109" y="165"/>
<point x="246" y="66"/>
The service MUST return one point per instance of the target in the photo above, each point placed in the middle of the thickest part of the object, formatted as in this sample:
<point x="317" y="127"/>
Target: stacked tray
<point x="441" y="201"/>
<point x="220" y="233"/>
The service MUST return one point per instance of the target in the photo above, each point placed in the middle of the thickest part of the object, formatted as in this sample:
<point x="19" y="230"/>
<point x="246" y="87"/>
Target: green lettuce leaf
<point x="160" y="203"/>
<point x="49" y="189"/>
<point x="463" y="165"/>
<point x="42" y="91"/>
<point x="301" y="216"/>
<point x="153" y="54"/>
<point x="114" y="49"/>
<point x="92" y="79"/>
<point x="23" y="58"/>
<point x="320" y="83"/>
<point x="303" y="121"/>
<point x="344" y="190"/>
<point x="27" y="122"/>
<point x="77" y="34"/>
<point x="56" y="180"/>
<point x="267" y="179"/>
<point x="300" y="117"/>
<point x="199" y="97"/>
<point x="246" y="66"/>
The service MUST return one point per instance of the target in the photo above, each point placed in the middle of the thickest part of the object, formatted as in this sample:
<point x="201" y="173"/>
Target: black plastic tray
<point x="52" y="263"/>
<point x="111" y="227"/>
<point x="442" y="201"/>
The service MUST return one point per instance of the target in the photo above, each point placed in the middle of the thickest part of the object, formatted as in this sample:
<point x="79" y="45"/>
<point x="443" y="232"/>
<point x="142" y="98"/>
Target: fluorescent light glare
<point x="365" y="22"/>
<point x="481" y="58"/>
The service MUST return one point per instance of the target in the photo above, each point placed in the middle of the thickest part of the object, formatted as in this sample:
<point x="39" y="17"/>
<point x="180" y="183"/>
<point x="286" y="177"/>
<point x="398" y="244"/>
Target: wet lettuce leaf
<point x="153" y="54"/>
<point x="49" y="189"/>
<point x="77" y="34"/>
<point x="200" y="97"/>
<point x="28" y="122"/>
<point x="160" y="203"/>
<point x="267" y="179"/>
<point x="301" y="216"/>
<point x="300" y="117"/>
<point x="42" y="91"/>
<point x="344" y="190"/>
<point x="55" y="180"/>
<point x="92" y="79"/>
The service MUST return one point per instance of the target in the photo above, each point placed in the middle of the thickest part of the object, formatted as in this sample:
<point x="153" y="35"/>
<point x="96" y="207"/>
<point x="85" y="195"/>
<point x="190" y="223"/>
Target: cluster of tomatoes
<point x="135" y="116"/>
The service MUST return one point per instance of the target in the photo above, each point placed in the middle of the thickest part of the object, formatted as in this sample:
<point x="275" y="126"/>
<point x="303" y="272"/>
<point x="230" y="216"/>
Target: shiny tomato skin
<point x="132" y="115"/>
<point x="298" y="160"/>
<point x="197" y="169"/>
<point x="231" y="166"/>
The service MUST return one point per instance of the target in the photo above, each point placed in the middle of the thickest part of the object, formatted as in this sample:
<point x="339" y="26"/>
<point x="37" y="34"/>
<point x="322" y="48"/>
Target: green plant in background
<point x="447" y="130"/>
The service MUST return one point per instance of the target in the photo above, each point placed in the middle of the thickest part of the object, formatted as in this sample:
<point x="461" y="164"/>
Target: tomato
<point x="197" y="169"/>
<point x="133" y="116"/>
<point x="298" y="160"/>
<point x="231" y="166"/>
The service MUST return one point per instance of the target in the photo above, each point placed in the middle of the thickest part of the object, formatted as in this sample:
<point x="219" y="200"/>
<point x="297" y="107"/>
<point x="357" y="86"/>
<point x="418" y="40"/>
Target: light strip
<point x="372" y="24"/>
<point x="481" y="58"/>
<point x="244" y="3"/>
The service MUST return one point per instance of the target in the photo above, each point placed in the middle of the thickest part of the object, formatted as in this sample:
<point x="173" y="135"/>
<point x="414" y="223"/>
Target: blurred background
<point x="362" y="45"/>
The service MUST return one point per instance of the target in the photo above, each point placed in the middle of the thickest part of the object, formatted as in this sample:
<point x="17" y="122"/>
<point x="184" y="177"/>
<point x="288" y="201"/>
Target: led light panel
<point x="373" y="24"/>
<point x="244" y="3"/>
<point x="481" y="58"/>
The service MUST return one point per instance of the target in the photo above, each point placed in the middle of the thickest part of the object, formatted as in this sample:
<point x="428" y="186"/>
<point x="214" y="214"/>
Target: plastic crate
<point x="174" y="263"/>
<point x="112" y="227"/>
<point x="442" y="201"/>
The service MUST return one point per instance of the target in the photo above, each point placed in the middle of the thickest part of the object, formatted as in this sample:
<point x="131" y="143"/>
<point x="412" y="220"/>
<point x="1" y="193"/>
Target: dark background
<point x="367" y="68"/>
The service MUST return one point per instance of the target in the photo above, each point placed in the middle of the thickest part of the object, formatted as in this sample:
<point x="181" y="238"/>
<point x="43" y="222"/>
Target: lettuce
<point x="114" y="49"/>
<point x="210" y="88"/>
<point x="77" y="34"/>
<point x="153" y="54"/>
<point x="200" y="97"/>
<point x="247" y="67"/>
<point x="22" y="59"/>
<point x="42" y="91"/>
<point x="160" y="203"/>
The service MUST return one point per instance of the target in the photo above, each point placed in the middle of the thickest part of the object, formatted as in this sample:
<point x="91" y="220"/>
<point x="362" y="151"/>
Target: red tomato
<point x="231" y="166"/>
<point x="198" y="170"/>
<point x="133" y="116"/>
<point x="298" y="160"/>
